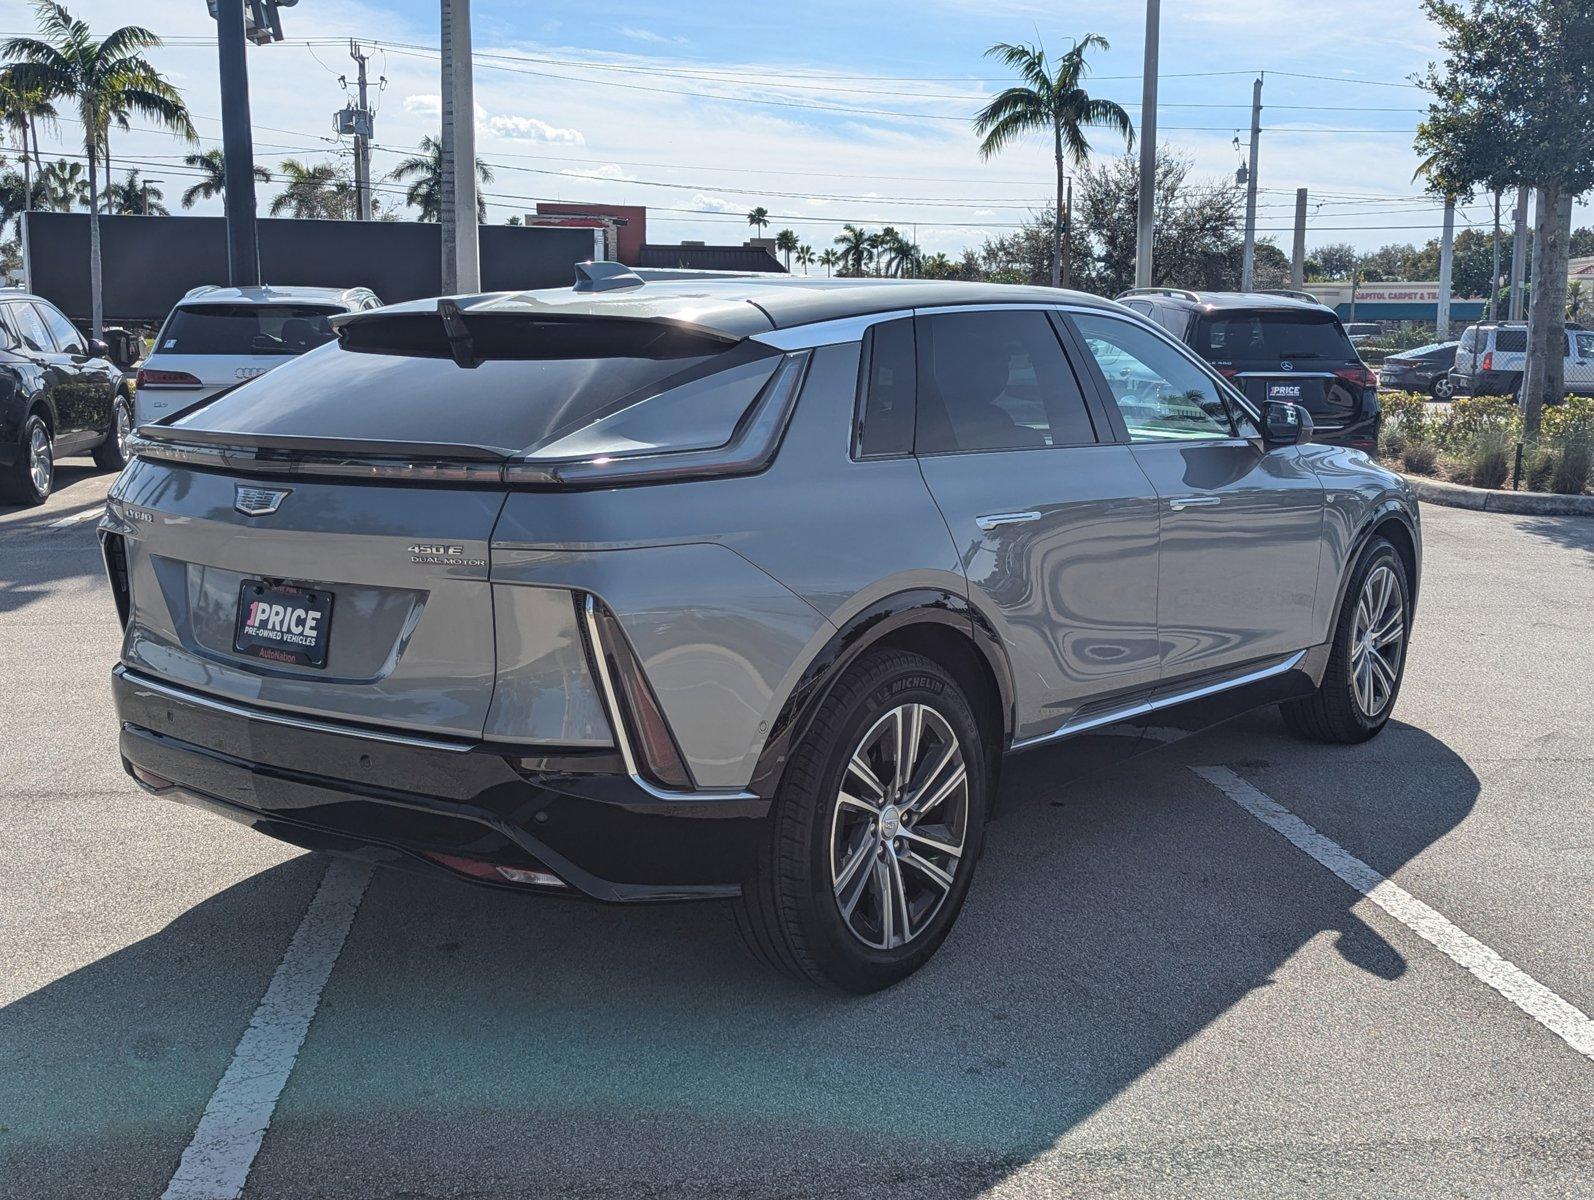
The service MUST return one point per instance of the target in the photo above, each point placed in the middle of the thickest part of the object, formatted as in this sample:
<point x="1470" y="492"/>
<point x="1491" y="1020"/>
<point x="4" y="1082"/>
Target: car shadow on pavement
<point x="35" y="557"/>
<point x="1574" y="533"/>
<point x="501" y="1045"/>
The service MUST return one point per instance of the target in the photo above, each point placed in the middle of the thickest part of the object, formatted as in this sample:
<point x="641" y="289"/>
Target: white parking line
<point x="1562" y="1019"/>
<point x="216" y="1163"/>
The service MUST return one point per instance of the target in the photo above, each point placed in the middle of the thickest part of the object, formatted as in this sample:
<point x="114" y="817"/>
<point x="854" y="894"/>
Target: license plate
<point x="1284" y="391"/>
<point x="283" y="623"/>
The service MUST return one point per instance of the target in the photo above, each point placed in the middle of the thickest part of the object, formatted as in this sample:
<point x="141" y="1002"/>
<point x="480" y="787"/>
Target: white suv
<point x="1491" y="359"/>
<point x="219" y="336"/>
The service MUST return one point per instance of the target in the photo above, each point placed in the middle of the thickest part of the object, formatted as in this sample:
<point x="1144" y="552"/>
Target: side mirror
<point x="99" y="349"/>
<point x="1285" y="424"/>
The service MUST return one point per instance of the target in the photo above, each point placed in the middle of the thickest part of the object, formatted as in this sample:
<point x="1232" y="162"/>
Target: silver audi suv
<point x="660" y="590"/>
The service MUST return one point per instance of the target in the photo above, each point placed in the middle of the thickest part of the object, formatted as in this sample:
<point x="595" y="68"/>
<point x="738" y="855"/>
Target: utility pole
<point x="1519" y="255"/>
<point x="1494" y="276"/>
<point x="1447" y="246"/>
<point x="238" y="146"/>
<point x="1298" y="258"/>
<point x="1145" y="222"/>
<point x="362" y="128"/>
<point x="1248" y="259"/>
<point x="1068" y="234"/>
<point x="461" y="249"/>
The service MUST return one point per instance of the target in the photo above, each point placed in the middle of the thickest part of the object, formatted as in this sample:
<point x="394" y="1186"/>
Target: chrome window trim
<point x="1069" y="728"/>
<point x="622" y="738"/>
<point x="138" y="679"/>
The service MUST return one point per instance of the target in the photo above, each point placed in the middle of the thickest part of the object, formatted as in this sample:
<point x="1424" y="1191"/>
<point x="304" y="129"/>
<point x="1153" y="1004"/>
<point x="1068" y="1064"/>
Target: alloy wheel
<point x="124" y="430"/>
<point x="899" y="826"/>
<point x="41" y="461"/>
<point x="1377" y="640"/>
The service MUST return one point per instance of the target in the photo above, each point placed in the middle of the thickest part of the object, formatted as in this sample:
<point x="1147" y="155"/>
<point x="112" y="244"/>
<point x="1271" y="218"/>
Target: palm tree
<point x="786" y="242"/>
<point x="426" y="190"/>
<point x="21" y="110"/>
<point x="901" y="256"/>
<point x="310" y="192"/>
<point x="214" y="164"/>
<point x="805" y="257"/>
<point x="937" y="266"/>
<point x="62" y="186"/>
<point x="135" y="197"/>
<point x="1050" y="100"/>
<point x="854" y="244"/>
<point x="106" y="79"/>
<point x="828" y="260"/>
<point x="758" y="218"/>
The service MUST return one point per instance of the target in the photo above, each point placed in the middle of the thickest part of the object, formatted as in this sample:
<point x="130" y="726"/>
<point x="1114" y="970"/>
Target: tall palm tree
<point x="805" y="257"/>
<point x="758" y="218"/>
<point x="425" y="170"/>
<point x="63" y="185"/>
<point x="786" y="242"/>
<point x="854" y="246"/>
<point x="1050" y="100"/>
<point x="21" y="111"/>
<point x="828" y="260"/>
<point x="309" y="191"/>
<point x="136" y="197"/>
<point x="214" y="164"/>
<point x="105" y="78"/>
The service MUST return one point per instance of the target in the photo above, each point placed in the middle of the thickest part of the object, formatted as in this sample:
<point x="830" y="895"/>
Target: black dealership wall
<point x="149" y="262"/>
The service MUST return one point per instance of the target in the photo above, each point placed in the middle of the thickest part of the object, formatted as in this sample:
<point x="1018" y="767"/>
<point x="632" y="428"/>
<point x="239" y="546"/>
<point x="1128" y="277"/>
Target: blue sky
<point x="585" y="102"/>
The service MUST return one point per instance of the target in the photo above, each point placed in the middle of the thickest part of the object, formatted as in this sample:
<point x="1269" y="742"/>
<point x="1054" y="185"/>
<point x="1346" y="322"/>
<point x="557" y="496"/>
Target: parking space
<point x="1150" y="991"/>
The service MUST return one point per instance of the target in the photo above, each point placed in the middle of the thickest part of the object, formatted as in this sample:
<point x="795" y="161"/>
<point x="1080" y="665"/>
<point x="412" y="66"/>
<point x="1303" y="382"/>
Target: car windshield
<point x="244" y="329"/>
<point x="1272" y="336"/>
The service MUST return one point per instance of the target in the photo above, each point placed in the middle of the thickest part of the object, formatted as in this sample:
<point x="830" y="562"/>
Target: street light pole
<point x="1248" y="259"/>
<point x="461" y="251"/>
<point x="238" y="149"/>
<point x="1146" y="217"/>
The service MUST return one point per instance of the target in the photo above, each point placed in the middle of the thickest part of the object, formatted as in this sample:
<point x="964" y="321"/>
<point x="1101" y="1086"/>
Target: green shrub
<point x="1539" y="468"/>
<point x="1488" y="457"/>
<point x="1562" y="419"/>
<point x="1420" y="458"/>
<point x="1572" y="472"/>
<point x="1470" y="417"/>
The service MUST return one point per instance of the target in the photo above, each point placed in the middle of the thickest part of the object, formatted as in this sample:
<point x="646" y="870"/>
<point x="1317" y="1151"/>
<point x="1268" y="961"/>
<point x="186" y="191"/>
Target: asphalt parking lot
<point x="1152" y="990"/>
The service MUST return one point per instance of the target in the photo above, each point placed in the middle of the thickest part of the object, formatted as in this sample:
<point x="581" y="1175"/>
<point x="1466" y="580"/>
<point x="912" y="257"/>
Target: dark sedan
<point x="1425" y="369"/>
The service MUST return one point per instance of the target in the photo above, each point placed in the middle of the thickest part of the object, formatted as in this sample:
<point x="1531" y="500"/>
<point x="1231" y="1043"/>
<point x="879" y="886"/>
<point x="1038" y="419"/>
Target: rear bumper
<point x="1487" y="383"/>
<point x="396" y="800"/>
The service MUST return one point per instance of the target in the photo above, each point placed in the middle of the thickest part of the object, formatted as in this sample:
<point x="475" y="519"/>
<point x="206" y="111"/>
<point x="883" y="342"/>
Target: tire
<point x="1441" y="389"/>
<point x="1358" y="692"/>
<point x="111" y="454"/>
<point x="794" y="912"/>
<point x="28" y="480"/>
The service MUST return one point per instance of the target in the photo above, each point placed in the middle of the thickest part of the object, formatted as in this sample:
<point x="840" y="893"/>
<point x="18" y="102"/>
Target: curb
<point x="1533" y="504"/>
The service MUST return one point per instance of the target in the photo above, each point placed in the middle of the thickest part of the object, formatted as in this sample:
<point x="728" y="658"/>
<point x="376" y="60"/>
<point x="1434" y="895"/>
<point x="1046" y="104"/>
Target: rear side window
<point x="244" y="329"/>
<point x="996" y="381"/>
<point x="587" y="384"/>
<point x="1272" y="337"/>
<point x="1511" y="341"/>
<point x="1584" y="342"/>
<point x="31" y="326"/>
<point x="1469" y="338"/>
<point x="886" y="377"/>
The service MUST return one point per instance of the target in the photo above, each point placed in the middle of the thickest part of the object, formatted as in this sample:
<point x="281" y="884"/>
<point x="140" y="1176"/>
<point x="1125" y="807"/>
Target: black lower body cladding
<point x="433" y="805"/>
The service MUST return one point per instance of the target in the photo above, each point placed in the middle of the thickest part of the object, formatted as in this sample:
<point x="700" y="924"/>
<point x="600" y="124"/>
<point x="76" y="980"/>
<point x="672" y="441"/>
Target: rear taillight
<point x="1488" y="360"/>
<point x="115" y="552"/>
<point x="644" y="737"/>
<point x="1229" y="372"/>
<point x="1358" y="376"/>
<point x="166" y="379"/>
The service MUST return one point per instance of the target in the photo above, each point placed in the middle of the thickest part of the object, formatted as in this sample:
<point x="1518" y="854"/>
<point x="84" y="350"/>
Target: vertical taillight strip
<point x="114" y="551"/>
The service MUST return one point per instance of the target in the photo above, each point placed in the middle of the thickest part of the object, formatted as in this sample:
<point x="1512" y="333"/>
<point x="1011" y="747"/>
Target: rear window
<point x="1272" y="337"/>
<point x="1511" y="341"/>
<point x="696" y="388"/>
<point x="244" y="329"/>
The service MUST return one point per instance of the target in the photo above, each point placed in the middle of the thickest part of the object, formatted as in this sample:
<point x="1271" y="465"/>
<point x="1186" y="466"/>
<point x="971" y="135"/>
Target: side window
<point x="1162" y="394"/>
<point x="886" y="374"/>
<point x="996" y="381"/>
<point x="67" y="339"/>
<point x="1143" y="307"/>
<point x="9" y="339"/>
<point x="1585" y="343"/>
<point x="34" y="335"/>
<point x="1175" y="320"/>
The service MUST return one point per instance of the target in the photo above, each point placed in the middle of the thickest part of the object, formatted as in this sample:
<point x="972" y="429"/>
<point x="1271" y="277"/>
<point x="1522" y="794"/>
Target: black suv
<point x="59" y="394"/>
<point x="1275" y="347"/>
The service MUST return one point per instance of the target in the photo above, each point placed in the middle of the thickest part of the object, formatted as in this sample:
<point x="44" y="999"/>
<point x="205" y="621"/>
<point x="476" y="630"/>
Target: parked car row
<point x="64" y="394"/>
<point x="744" y="588"/>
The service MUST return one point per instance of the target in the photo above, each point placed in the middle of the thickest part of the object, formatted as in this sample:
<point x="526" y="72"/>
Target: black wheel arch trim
<point x="1380" y="515"/>
<point x="866" y="628"/>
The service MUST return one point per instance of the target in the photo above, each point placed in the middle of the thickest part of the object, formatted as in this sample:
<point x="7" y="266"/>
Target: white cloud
<point x="607" y="171"/>
<point x="717" y="204"/>
<point x="424" y="105"/>
<point x="530" y="129"/>
<point x="647" y="35"/>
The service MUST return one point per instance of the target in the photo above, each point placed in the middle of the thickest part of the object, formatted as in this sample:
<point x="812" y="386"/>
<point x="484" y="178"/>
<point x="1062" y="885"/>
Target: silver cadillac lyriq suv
<point x="667" y="589"/>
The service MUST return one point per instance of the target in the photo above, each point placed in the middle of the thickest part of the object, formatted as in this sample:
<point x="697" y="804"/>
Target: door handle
<point x="1180" y="503"/>
<point x="997" y="520"/>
